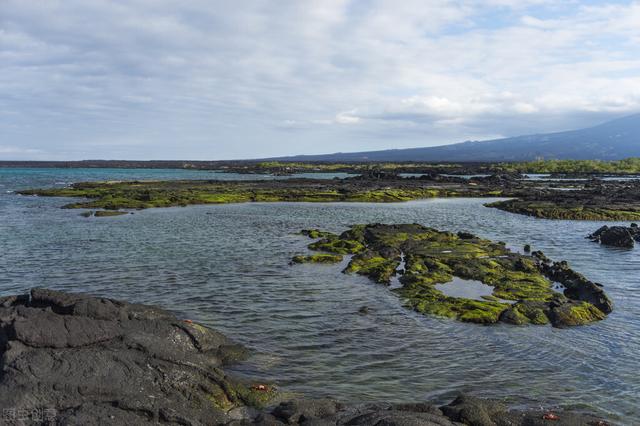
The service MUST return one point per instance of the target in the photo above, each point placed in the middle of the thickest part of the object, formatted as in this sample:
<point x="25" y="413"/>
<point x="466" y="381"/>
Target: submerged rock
<point x="617" y="236"/>
<point x="317" y="258"/>
<point x="102" y="213"/>
<point x="109" y="213"/>
<point x="315" y="233"/>
<point x="364" y="310"/>
<point x="522" y="293"/>
<point x="464" y="410"/>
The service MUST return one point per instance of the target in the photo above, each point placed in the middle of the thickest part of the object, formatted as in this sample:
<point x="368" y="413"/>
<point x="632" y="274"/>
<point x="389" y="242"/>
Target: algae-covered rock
<point x="317" y="258"/>
<point x="526" y="312"/>
<point x="575" y="313"/>
<point x="374" y="265"/>
<point x="109" y="213"/>
<point x="521" y="287"/>
<point x="336" y="245"/>
<point x="316" y="233"/>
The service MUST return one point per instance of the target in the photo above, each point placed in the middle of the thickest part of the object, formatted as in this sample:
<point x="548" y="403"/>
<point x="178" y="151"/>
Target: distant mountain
<point x="613" y="140"/>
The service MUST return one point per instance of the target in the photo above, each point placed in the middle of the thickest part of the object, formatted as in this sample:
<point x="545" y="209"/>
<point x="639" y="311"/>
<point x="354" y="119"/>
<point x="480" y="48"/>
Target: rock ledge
<point x="73" y="359"/>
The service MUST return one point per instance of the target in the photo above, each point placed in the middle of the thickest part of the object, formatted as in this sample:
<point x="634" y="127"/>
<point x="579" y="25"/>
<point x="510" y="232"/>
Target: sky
<point x="212" y="80"/>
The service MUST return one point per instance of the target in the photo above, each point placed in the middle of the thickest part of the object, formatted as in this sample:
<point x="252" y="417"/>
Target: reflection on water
<point x="547" y="176"/>
<point x="227" y="266"/>
<point x="468" y="289"/>
<point x="395" y="280"/>
<point x="21" y="178"/>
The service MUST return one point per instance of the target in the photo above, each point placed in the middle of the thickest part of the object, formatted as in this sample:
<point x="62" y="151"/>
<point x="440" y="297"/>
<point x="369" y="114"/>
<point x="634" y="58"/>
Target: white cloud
<point x="347" y="117"/>
<point x="212" y="79"/>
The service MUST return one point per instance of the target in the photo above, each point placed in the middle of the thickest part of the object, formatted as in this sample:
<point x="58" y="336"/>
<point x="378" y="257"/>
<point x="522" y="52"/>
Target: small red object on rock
<point x="263" y="388"/>
<point x="188" y="321"/>
<point x="550" y="416"/>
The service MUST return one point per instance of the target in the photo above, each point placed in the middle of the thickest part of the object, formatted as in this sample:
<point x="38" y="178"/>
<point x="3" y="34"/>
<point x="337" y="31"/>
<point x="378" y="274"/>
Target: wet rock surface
<point x="589" y="200"/>
<point x="73" y="359"/>
<point x="464" y="410"/>
<point x="617" y="236"/>
<point x="101" y="361"/>
<point x="522" y="285"/>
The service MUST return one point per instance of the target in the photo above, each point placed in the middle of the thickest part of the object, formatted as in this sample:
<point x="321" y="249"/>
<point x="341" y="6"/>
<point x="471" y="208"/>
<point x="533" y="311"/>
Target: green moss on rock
<point x="316" y="233"/>
<point x="337" y="246"/>
<point x="579" y="313"/>
<point x="150" y="194"/>
<point x="317" y="258"/>
<point x="558" y="210"/>
<point x="375" y="266"/>
<point x="522" y="291"/>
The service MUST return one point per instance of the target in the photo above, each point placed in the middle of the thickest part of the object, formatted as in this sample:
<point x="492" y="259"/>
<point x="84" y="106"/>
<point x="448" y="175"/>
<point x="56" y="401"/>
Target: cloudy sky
<point x="208" y="79"/>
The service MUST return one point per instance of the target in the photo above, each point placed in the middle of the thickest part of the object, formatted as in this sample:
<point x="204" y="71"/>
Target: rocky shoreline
<point x="573" y="199"/>
<point x="591" y="200"/>
<point x="74" y="359"/>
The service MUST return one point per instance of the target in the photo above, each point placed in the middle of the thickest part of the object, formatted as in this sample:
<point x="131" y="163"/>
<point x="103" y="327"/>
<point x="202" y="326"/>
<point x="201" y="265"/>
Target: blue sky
<point x="169" y="79"/>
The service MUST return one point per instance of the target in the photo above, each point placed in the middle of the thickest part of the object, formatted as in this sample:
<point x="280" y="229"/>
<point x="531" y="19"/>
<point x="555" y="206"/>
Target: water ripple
<point x="227" y="266"/>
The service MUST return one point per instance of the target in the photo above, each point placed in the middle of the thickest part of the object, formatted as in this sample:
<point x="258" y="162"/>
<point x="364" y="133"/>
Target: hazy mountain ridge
<point x="613" y="140"/>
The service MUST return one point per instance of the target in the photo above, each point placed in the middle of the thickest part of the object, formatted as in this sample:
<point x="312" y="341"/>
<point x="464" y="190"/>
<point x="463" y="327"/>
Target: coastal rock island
<point x="586" y="200"/>
<point x="617" y="236"/>
<point x="74" y="359"/>
<point x="465" y="277"/>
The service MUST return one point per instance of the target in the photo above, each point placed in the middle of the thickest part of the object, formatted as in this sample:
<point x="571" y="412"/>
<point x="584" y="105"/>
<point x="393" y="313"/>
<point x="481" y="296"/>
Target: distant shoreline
<point x="194" y="165"/>
<point x="120" y="164"/>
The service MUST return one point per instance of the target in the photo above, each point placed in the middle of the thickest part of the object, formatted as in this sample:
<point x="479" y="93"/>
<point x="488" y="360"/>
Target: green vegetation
<point x="337" y="245"/>
<point x="373" y="265"/>
<point x="557" y="210"/>
<point x="522" y="293"/>
<point x="299" y="167"/>
<point x="142" y="195"/>
<point x="578" y="314"/>
<point x="316" y="233"/>
<point x="103" y="213"/>
<point x="587" y="201"/>
<point x="626" y="166"/>
<point x="527" y="312"/>
<point x="317" y="258"/>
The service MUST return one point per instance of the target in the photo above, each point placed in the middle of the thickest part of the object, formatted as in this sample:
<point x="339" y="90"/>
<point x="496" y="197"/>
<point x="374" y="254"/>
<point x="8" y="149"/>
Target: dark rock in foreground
<point x="72" y="359"/>
<point x="93" y="359"/>
<point x="617" y="236"/>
